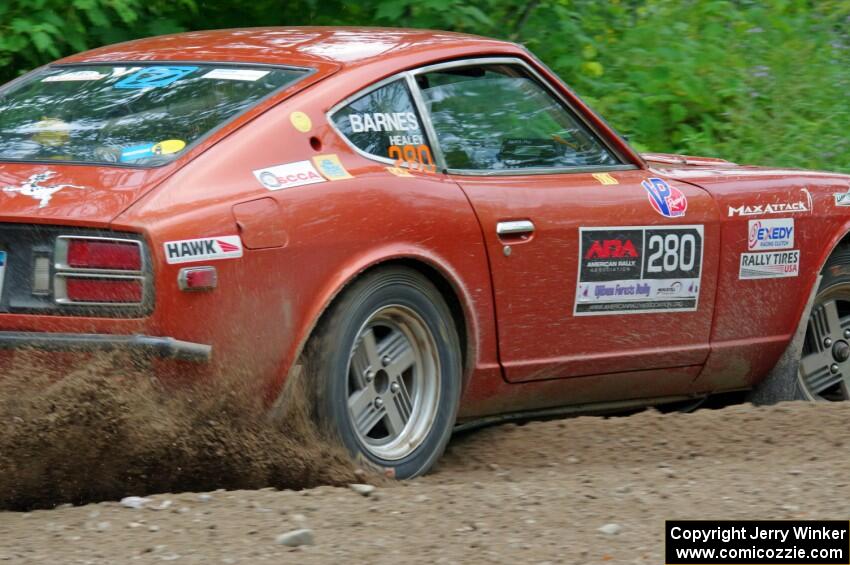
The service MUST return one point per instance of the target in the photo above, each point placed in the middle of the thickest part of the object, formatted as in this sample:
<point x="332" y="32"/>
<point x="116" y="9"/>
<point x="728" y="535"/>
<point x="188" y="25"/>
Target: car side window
<point x="498" y="117"/>
<point x="385" y="123"/>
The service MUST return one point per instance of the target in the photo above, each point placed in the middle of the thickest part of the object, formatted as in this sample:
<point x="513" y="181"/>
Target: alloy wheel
<point x="393" y="382"/>
<point x="825" y="364"/>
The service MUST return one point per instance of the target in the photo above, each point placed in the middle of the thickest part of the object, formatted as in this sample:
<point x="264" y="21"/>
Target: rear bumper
<point x="150" y="346"/>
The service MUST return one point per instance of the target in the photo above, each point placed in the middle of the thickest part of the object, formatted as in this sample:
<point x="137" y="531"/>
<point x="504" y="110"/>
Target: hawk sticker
<point x="203" y="249"/>
<point x="34" y="187"/>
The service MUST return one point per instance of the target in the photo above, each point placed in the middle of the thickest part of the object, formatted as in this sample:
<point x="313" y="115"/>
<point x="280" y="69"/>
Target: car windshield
<point x="132" y="114"/>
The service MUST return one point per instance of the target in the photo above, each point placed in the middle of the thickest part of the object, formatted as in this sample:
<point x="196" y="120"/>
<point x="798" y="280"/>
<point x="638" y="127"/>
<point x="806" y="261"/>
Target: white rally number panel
<point x="639" y="270"/>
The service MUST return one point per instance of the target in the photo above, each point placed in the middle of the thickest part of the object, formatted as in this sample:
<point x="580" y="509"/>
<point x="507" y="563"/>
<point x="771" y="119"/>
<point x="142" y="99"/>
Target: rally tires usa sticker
<point x="638" y="270"/>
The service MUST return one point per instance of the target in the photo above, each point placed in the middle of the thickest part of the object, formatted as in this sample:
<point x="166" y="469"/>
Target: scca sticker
<point x="288" y="175"/>
<point x="203" y="249"/>
<point x="667" y="200"/>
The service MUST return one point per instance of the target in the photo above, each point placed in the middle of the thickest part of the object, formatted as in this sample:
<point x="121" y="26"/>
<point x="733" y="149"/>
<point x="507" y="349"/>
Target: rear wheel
<point x="385" y="364"/>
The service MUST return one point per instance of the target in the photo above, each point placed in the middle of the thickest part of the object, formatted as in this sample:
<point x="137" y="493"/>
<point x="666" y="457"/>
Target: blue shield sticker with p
<point x="154" y="77"/>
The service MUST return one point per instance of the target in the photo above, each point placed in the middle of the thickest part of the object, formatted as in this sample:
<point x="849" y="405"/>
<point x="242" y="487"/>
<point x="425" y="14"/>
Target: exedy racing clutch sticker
<point x="637" y="270"/>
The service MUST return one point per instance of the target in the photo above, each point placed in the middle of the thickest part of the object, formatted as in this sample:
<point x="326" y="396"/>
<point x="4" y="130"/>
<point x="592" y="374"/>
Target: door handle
<point x="515" y="227"/>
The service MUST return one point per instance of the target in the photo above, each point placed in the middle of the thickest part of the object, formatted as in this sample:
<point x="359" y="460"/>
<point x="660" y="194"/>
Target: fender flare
<point x="789" y="360"/>
<point x="353" y="269"/>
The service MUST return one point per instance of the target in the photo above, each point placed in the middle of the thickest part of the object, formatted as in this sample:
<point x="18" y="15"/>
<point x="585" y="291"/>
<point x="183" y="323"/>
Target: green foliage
<point x="753" y="81"/>
<point x="34" y="32"/>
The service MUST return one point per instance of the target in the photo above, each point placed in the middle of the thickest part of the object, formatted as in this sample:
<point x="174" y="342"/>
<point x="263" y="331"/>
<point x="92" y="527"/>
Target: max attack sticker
<point x="637" y="270"/>
<point x="331" y="167"/>
<point x="789" y="207"/>
<point x="288" y="175"/>
<point x="770" y="265"/>
<point x="605" y="178"/>
<point x="203" y="249"/>
<point x="154" y="77"/>
<point x="301" y="121"/>
<point x="34" y="188"/>
<point x="667" y="200"/>
<point x="770" y="234"/>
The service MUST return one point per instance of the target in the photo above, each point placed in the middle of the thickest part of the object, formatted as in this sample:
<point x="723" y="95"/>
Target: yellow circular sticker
<point x="168" y="147"/>
<point x="301" y="121"/>
<point x="52" y="132"/>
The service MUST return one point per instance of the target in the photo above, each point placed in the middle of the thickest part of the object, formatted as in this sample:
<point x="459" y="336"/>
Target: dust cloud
<point x="105" y="430"/>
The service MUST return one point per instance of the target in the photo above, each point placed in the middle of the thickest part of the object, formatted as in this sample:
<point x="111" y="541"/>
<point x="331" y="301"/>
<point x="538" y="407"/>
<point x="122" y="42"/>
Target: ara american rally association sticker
<point x="667" y="200"/>
<point x="203" y="249"/>
<point x="288" y="175"/>
<point x="637" y="270"/>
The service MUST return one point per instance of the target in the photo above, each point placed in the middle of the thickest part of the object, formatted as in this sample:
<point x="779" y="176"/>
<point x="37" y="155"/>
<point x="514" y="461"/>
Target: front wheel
<point x="385" y="365"/>
<point x="825" y="363"/>
<point x="821" y="369"/>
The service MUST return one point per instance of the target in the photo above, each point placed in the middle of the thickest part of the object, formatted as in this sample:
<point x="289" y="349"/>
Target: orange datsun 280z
<point x="433" y="223"/>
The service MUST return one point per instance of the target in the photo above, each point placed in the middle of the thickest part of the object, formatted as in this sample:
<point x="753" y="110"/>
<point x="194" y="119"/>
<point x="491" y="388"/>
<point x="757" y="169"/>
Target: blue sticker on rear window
<point x="154" y="77"/>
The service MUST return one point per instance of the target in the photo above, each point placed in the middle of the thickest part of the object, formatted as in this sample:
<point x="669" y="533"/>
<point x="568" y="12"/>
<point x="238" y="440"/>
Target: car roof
<point x="318" y="47"/>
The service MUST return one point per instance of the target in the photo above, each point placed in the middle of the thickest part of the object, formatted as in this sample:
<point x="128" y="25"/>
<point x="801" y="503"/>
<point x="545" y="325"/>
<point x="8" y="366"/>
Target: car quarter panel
<point x="268" y="300"/>
<point x="755" y="318"/>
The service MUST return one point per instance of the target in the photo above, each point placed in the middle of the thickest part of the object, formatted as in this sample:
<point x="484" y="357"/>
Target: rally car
<point x="431" y="229"/>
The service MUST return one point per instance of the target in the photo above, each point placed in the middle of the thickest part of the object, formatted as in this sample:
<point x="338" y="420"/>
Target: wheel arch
<point x="447" y="281"/>
<point x="840" y="238"/>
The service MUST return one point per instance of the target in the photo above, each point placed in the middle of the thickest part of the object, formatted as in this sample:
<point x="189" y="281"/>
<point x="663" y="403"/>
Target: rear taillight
<point x="110" y="291"/>
<point x="99" y="271"/>
<point x="104" y="254"/>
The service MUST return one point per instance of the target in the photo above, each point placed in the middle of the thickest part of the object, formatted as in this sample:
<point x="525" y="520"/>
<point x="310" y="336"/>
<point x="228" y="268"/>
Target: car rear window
<point x="132" y="114"/>
<point x="384" y="123"/>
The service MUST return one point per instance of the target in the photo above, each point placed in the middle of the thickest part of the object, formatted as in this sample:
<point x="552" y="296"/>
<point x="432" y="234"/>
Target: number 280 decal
<point x="416" y="157"/>
<point x="638" y="269"/>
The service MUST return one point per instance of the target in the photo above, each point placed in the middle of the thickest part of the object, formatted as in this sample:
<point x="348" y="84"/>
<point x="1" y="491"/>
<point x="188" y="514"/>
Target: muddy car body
<point x="569" y="269"/>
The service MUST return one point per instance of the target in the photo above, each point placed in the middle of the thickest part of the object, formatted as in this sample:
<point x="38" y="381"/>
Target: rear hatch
<point x="81" y="195"/>
<point x="79" y="143"/>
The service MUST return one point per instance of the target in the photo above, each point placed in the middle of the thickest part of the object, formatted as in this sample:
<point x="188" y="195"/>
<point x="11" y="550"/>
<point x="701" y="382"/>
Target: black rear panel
<point x="23" y="243"/>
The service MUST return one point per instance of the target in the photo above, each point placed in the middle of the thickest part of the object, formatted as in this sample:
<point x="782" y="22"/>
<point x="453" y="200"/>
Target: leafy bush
<point x="753" y="81"/>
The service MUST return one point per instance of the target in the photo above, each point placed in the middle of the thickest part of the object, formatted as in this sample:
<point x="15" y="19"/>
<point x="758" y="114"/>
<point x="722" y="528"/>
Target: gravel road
<point x="582" y="490"/>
